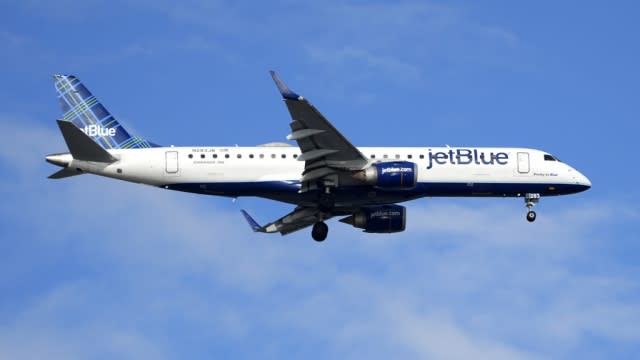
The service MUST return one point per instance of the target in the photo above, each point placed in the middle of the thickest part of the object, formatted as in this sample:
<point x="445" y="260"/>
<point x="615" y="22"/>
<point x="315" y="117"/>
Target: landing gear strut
<point x="319" y="231"/>
<point x="326" y="200"/>
<point x="530" y="200"/>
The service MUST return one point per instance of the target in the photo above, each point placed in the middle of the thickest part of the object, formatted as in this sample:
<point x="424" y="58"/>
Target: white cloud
<point x="502" y="35"/>
<point x="106" y="267"/>
<point x="357" y="57"/>
<point x="11" y="39"/>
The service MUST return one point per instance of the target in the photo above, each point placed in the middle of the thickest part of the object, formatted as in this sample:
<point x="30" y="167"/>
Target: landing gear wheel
<point x="530" y="200"/>
<point x="319" y="231"/>
<point x="531" y="216"/>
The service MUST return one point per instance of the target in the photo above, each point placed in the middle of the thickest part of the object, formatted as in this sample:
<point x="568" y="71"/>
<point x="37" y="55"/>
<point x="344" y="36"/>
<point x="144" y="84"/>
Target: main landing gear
<point x="319" y="231"/>
<point x="530" y="200"/>
<point x="326" y="202"/>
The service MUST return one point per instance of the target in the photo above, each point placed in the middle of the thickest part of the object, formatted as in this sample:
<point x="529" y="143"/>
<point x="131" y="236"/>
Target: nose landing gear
<point x="531" y="216"/>
<point x="530" y="200"/>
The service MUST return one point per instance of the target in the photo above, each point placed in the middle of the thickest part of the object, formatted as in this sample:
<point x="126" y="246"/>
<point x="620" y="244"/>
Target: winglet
<point x="283" y="88"/>
<point x="254" y="225"/>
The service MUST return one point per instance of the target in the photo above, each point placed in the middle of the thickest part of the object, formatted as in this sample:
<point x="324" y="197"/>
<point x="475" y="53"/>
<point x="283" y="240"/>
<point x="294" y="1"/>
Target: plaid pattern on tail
<point x="81" y="108"/>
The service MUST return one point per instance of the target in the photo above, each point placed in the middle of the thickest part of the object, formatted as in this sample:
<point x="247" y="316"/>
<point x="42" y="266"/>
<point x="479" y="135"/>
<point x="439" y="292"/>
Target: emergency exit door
<point x="171" y="162"/>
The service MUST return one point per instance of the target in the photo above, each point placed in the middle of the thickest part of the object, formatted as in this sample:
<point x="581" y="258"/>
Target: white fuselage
<point x="274" y="172"/>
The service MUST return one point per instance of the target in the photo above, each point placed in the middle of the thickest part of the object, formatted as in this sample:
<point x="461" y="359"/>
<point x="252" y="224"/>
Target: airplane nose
<point x="583" y="180"/>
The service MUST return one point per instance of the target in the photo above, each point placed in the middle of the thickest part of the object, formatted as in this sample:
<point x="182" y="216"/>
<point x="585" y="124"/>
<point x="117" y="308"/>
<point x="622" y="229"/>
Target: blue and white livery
<point x="323" y="176"/>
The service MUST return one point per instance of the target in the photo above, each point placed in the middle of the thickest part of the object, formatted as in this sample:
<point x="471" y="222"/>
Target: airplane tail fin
<point x="84" y="110"/>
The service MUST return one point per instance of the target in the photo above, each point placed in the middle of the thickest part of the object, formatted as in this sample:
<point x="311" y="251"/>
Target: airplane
<point x="324" y="176"/>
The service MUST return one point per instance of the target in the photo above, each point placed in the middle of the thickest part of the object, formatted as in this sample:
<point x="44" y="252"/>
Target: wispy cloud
<point x="11" y="39"/>
<point x="116" y="268"/>
<point x="502" y="35"/>
<point x="349" y="57"/>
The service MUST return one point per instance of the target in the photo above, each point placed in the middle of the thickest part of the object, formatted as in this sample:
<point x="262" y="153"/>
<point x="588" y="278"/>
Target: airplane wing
<point x="326" y="153"/>
<point x="325" y="150"/>
<point x="298" y="219"/>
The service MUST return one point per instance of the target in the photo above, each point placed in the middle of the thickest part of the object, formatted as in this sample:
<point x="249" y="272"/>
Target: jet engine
<point x="396" y="175"/>
<point x="379" y="219"/>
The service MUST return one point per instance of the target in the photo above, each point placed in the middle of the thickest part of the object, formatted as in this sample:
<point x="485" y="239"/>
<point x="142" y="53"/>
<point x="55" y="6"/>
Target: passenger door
<point x="523" y="162"/>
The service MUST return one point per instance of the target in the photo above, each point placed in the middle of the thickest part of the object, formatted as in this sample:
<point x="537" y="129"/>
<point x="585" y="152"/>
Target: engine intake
<point x="390" y="175"/>
<point x="379" y="219"/>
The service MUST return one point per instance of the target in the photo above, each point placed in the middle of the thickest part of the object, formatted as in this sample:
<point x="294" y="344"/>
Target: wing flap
<point x="304" y="133"/>
<point x="315" y="154"/>
<point x="316" y="174"/>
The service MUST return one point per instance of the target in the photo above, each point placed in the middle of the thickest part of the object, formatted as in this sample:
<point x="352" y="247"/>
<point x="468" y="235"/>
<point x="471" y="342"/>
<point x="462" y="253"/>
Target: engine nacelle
<point x="397" y="175"/>
<point x="379" y="219"/>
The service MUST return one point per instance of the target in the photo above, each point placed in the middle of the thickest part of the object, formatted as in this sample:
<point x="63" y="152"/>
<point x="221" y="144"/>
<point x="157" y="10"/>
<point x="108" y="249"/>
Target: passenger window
<point x="261" y="156"/>
<point x="421" y="156"/>
<point x="409" y="156"/>
<point x="226" y="156"/>
<point x="284" y="156"/>
<point x="250" y="156"/>
<point x="273" y="156"/>
<point x="239" y="156"/>
<point x="295" y="156"/>
<point x="201" y="156"/>
<point x="397" y="156"/>
<point x="385" y="156"/>
<point x="190" y="156"/>
<point x="215" y="156"/>
<point x="373" y="156"/>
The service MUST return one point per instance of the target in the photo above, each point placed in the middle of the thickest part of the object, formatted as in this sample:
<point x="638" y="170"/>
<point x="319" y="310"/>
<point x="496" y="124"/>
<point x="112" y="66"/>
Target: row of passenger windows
<point x="239" y="156"/>
<point x="372" y="156"/>
<point x="284" y="156"/>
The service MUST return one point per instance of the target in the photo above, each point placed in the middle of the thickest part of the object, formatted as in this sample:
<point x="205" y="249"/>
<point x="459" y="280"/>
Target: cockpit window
<point x="548" y="157"/>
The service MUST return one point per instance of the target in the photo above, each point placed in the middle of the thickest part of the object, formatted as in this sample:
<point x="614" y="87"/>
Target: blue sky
<point x="92" y="268"/>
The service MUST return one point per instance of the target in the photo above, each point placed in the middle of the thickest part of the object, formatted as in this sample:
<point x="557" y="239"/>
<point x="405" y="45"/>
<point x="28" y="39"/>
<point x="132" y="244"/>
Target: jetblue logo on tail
<point x="95" y="130"/>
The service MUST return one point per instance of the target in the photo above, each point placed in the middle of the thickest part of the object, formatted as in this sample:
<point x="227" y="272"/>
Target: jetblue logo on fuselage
<point x="466" y="157"/>
<point x="95" y="130"/>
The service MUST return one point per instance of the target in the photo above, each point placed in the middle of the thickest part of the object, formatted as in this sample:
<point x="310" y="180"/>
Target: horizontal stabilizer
<point x="81" y="146"/>
<point x="64" y="173"/>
